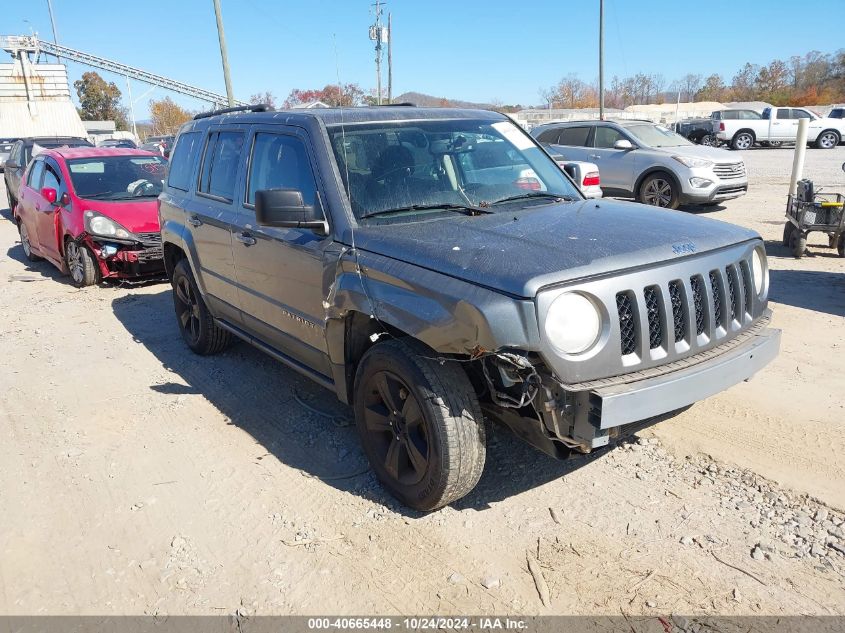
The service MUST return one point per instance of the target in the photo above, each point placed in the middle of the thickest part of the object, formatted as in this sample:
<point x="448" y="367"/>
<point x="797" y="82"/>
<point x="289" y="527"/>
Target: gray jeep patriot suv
<point x="434" y="267"/>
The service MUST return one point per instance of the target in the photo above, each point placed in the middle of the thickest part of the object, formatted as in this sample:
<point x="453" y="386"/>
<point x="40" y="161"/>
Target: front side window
<point x="182" y="161"/>
<point x="800" y="114"/>
<point x="392" y="166"/>
<point x="280" y="162"/>
<point x="52" y="177"/>
<point x="117" y="177"/>
<point x="35" y="174"/>
<point x="220" y="164"/>
<point x="607" y="136"/>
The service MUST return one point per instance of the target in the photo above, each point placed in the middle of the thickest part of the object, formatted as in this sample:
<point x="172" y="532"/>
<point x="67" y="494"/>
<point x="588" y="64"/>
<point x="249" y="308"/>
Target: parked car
<point x="93" y="213"/>
<point x="371" y="250"/>
<point x="6" y="145"/>
<point x="780" y="125"/>
<point x="641" y="160"/>
<point x="159" y="144"/>
<point x="123" y="143"/>
<point x="585" y="175"/>
<point x="698" y="130"/>
<point x="21" y="154"/>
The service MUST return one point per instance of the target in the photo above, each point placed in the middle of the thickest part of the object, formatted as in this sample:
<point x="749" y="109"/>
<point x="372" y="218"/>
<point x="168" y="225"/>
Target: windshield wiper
<point x="534" y="194"/>
<point x="97" y="196"/>
<point x="458" y="208"/>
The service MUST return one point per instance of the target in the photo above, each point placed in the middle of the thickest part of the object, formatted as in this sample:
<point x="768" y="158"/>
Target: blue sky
<point x="477" y="50"/>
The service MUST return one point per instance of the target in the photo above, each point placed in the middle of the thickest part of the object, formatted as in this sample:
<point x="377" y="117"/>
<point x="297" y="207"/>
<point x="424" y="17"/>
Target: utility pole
<point x="378" y="34"/>
<point x="601" y="60"/>
<point x="221" y="35"/>
<point x="53" y="24"/>
<point x="131" y="108"/>
<point x="390" y="57"/>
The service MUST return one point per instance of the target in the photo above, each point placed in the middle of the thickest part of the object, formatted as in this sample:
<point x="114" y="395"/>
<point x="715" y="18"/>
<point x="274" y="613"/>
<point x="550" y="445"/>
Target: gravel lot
<point x="139" y="479"/>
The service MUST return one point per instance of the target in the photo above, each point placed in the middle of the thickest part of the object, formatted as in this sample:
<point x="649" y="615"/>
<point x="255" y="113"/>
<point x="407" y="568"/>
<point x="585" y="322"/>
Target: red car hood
<point x="135" y="217"/>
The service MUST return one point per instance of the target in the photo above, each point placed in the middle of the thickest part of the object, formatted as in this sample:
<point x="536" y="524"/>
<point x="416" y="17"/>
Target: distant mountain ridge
<point x="429" y="101"/>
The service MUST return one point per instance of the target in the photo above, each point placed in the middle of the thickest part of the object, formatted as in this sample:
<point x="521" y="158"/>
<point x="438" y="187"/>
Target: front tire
<point x="788" y="230"/>
<point x="420" y="424"/>
<point x="828" y="139"/>
<point x="80" y="263"/>
<point x="743" y="140"/>
<point x="798" y="244"/>
<point x="196" y="324"/>
<point x="659" y="190"/>
<point x="25" y="243"/>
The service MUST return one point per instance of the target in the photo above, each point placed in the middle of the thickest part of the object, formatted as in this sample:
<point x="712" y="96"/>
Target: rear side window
<point x="220" y="164"/>
<point x="182" y="161"/>
<point x="549" y="136"/>
<point x="35" y="174"/>
<point x="280" y="162"/>
<point x="575" y="136"/>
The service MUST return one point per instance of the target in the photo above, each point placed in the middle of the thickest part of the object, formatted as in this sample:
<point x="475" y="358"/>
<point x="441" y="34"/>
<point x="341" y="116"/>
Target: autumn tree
<point x="335" y="95"/>
<point x="263" y="98"/>
<point x="99" y="100"/>
<point x="744" y="83"/>
<point x="689" y="86"/>
<point x="713" y="89"/>
<point x="167" y="117"/>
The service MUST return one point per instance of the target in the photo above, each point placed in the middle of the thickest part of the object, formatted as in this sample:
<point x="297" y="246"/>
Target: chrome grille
<point x="655" y="316"/>
<point x="676" y="296"/>
<point x="716" y="285"/>
<point x="698" y="299"/>
<point x="729" y="171"/>
<point x="150" y="239"/>
<point x="627" y="324"/>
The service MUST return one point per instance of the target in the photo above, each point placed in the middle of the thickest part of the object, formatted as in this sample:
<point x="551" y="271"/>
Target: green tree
<point x="99" y="101"/>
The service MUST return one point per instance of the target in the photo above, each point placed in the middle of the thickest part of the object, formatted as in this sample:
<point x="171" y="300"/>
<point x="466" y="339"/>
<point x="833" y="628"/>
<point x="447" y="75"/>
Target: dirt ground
<point x="137" y="478"/>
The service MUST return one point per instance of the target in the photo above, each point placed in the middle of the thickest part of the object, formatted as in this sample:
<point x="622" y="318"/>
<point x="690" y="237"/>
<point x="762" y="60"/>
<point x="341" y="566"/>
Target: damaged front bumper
<point x="128" y="258"/>
<point x="563" y="418"/>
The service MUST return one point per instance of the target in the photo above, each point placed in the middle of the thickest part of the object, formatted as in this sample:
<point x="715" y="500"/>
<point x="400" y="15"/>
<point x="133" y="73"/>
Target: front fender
<point x="449" y="315"/>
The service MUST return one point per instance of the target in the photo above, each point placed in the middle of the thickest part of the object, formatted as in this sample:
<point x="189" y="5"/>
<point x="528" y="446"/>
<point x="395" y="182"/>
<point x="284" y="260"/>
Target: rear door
<point x="280" y="270"/>
<point x="210" y="214"/>
<point x="616" y="166"/>
<point x="574" y="142"/>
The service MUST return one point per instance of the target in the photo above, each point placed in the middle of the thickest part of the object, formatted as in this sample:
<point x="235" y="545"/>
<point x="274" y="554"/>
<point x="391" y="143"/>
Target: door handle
<point x="595" y="155"/>
<point x="245" y="238"/>
<point x="194" y="220"/>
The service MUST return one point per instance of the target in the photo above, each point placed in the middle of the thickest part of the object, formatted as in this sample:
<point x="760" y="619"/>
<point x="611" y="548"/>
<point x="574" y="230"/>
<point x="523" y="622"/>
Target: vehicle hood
<point x="135" y="217"/>
<point x="521" y="251"/>
<point x="715" y="154"/>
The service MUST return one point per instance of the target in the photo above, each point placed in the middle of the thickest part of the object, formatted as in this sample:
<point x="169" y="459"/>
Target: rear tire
<point x="81" y="265"/>
<point x="196" y="324"/>
<point x="660" y="190"/>
<point x="420" y="424"/>
<point x="710" y="140"/>
<point x="25" y="244"/>
<point x="828" y="139"/>
<point x="742" y="140"/>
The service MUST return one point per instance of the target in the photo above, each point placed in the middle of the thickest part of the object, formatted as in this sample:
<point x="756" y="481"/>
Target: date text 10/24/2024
<point x="419" y="623"/>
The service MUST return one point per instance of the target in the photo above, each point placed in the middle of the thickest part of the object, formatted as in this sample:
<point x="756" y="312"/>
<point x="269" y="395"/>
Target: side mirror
<point x="623" y="143"/>
<point x="11" y="165"/>
<point x="49" y="194"/>
<point x="843" y="166"/>
<point x="284" y="208"/>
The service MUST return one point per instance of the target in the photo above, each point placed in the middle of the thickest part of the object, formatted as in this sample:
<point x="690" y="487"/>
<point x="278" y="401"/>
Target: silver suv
<point x="641" y="160"/>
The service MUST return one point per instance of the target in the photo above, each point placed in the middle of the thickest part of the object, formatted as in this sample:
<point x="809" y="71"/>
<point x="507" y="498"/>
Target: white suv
<point x="641" y="160"/>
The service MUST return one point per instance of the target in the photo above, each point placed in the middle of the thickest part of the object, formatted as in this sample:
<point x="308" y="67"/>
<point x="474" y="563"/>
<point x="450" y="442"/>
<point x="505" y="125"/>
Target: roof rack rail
<point x="404" y="104"/>
<point x="259" y="107"/>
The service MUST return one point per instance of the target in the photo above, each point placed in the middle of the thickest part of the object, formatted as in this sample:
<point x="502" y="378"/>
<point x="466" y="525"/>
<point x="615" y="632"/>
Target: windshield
<point x="117" y="177"/>
<point x="656" y="136"/>
<point x="436" y="164"/>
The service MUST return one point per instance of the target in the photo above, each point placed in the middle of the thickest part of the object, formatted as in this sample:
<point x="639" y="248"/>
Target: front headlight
<point x="759" y="271"/>
<point x="97" y="224"/>
<point x="573" y="323"/>
<point x="692" y="161"/>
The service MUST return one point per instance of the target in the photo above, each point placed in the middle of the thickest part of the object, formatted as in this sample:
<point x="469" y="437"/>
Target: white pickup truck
<point x="780" y="125"/>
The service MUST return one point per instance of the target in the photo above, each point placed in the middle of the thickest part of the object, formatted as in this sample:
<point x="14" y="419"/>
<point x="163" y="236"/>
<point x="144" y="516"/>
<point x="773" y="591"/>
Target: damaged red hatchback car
<point x="93" y="212"/>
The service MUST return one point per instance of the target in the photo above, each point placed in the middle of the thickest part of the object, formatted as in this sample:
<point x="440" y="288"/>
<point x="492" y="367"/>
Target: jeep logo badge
<point x="683" y="248"/>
